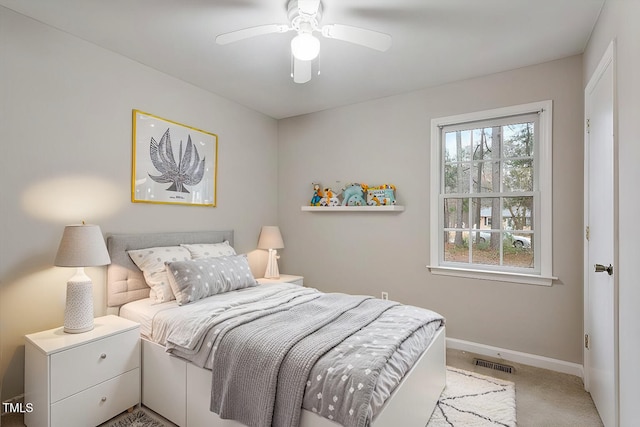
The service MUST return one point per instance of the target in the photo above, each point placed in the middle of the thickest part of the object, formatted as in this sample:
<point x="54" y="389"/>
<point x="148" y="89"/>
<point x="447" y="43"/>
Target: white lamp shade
<point x="270" y="238"/>
<point x="82" y="245"/>
<point x="305" y="47"/>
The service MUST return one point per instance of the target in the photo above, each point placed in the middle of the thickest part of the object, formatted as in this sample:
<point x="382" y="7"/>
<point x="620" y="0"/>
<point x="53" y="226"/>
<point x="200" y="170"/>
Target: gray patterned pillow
<point x="209" y="250"/>
<point x="199" y="278"/>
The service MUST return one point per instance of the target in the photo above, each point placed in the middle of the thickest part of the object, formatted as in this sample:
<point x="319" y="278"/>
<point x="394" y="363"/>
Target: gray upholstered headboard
<point x="125" y="282"/>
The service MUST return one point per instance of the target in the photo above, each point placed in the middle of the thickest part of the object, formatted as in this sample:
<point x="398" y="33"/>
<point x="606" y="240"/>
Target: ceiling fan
<point x="304" y="18"/>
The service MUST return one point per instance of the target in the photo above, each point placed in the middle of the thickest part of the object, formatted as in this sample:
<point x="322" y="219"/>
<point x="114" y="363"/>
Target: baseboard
<point x="517" y="356"/>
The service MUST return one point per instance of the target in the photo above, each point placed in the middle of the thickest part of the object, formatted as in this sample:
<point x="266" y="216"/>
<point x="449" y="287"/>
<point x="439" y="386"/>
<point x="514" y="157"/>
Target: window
<point x="491" y="194"/>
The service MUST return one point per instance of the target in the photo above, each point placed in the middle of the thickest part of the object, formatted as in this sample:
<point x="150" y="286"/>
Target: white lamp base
<point x="272" y="265"/>
<point x="78" y="313"/>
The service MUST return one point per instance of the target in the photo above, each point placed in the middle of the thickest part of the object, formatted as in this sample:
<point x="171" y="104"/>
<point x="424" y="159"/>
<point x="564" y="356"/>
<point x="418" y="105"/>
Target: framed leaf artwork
<point x="172" y="163"/>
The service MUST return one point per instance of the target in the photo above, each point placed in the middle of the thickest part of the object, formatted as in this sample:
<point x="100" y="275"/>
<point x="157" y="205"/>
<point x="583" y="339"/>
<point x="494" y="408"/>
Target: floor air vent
<point x="493" y="365"/>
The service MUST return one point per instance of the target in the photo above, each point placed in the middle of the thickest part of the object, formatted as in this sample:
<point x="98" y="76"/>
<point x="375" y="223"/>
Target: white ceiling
<point x="434" y="42"/>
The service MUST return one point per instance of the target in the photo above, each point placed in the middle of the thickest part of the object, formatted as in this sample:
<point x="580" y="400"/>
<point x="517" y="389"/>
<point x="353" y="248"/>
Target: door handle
<point x="601" y="269"/>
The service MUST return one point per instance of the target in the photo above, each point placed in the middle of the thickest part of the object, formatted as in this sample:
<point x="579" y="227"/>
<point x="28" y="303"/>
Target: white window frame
<point x="543" y="185"/>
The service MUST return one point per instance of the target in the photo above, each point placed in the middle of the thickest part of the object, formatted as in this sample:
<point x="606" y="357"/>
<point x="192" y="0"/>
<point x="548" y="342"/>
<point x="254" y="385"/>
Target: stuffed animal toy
<point x="330" y="198"/>
<point x="353" y="194"/>
<point x="317" y="195"/>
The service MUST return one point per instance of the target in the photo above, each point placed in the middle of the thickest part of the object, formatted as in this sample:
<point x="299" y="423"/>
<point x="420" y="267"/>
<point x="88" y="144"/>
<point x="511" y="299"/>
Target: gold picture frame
<point x="172" y="163"/>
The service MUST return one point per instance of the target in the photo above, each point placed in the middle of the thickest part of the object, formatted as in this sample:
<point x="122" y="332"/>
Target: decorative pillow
<point x="200" y="278"/>
<point x="151" y="261"/>
<point x="209" y="250"/>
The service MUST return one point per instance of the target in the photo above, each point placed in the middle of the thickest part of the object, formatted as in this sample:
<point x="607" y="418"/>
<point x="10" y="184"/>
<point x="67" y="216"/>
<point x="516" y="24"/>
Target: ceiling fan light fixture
<point x="305" y="47"/>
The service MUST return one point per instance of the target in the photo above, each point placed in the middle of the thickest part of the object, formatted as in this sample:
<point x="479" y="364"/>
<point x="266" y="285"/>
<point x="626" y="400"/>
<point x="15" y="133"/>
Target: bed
<point x="179" y="387"/>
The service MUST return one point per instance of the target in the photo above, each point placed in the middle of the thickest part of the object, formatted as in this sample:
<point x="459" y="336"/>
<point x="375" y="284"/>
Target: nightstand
<point x="82" y="379"/>
<point x="287" y="278"/>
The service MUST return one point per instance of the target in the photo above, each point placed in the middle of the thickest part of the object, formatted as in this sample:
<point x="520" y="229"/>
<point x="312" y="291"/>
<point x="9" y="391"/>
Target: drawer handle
<point x="104" y="399"/>
<point x="103" y="356"/>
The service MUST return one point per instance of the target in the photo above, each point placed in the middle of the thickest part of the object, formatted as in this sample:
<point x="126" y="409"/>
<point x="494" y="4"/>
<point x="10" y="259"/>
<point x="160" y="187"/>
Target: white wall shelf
<point x="392" y="208"/>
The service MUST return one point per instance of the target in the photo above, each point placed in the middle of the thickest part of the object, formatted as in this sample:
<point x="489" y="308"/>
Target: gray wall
<point x="619" y="21"/>
<point x="387" y="141"/>
<point x="66" y="157"/>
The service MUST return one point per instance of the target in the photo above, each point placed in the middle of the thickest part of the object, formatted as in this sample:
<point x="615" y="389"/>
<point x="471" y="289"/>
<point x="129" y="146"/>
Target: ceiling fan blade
<point x="310" y="7"/>
<point x="301" y="70"/>
<point x="371" y="39"/>
<point x="246" y="33"/>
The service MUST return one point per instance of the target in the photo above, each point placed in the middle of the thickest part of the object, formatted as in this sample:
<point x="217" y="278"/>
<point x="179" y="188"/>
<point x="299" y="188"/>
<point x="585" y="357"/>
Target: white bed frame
<point x="180" y="391"/>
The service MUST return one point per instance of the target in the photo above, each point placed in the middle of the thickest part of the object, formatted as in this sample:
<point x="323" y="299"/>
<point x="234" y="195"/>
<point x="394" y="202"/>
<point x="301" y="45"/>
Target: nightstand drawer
<point x="81" y="367"/>
<point x="99" y="403"/>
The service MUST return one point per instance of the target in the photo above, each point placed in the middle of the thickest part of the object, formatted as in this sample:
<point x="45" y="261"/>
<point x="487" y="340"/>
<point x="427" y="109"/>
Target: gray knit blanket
<point x="261" y="368"/>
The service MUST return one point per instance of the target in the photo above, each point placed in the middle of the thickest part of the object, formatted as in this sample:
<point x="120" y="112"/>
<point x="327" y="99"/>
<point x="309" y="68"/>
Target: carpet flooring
<point x="543" y="398"/>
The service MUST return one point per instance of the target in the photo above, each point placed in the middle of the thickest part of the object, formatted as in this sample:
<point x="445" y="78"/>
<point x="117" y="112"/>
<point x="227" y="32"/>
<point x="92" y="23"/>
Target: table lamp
<point x="82" y="245"/>
<point x="271" y="239"/>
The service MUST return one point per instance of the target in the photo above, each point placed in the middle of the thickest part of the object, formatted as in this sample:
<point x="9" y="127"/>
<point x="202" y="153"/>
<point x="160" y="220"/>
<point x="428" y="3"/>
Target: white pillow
<point x="151" y="261"/>
<point x="209" y="250"/>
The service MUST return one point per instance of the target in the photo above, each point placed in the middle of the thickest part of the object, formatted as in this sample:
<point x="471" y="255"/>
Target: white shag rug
<point x="474" y="400"/>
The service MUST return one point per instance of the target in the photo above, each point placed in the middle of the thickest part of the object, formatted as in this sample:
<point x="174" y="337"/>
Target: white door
<point x="601" y="308"/>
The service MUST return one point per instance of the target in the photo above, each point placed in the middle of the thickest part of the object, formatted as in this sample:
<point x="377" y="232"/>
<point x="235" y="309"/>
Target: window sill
<point x="498" y="276"/>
